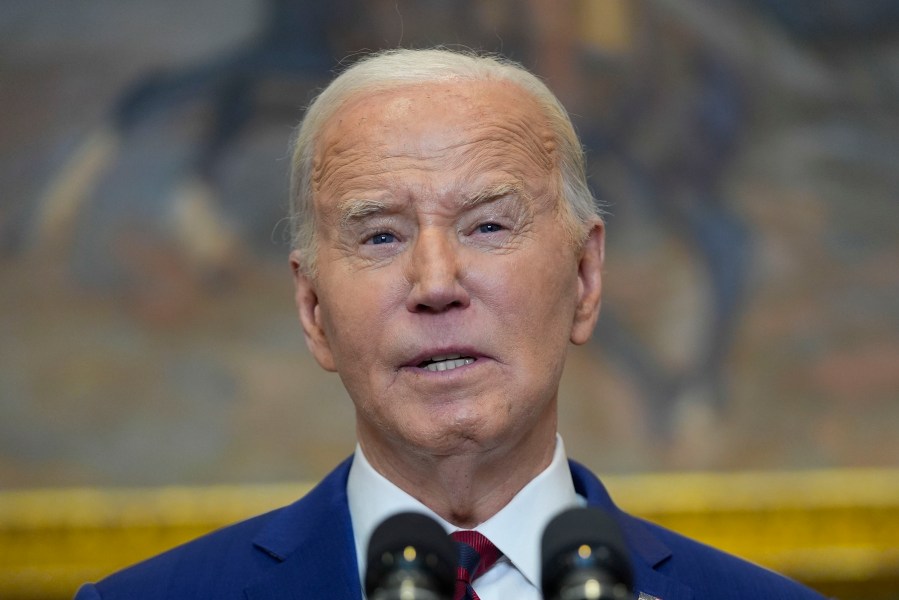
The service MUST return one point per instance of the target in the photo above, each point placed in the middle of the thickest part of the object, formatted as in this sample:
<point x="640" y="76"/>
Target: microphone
<point x="585" y="558"/>
<point x="410" y="557"/>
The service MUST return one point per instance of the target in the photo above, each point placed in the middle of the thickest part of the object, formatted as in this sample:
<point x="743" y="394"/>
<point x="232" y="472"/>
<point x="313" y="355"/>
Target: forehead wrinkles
<point x="434" y="129"/>
<point x="338" y="158"/>
<point x="508" y="142"/>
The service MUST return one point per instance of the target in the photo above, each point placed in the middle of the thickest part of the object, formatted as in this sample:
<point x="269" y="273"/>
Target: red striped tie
<point x="476" y="555"/>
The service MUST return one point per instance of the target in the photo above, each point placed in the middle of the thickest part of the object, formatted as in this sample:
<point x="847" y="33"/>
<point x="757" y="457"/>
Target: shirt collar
<point x="516" y="529"/>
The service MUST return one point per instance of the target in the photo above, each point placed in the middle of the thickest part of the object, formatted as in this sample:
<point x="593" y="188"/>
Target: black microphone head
<point x="411" y="545"/>
<point x="583" y="544"/>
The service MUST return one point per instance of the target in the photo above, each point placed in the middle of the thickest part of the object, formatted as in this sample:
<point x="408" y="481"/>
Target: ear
<point x="589" y="276"/>
<point x="309" y="310"/>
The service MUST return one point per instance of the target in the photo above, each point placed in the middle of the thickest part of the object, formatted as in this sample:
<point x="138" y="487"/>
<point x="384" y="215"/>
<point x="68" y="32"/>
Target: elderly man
<point x="447" y="250"/>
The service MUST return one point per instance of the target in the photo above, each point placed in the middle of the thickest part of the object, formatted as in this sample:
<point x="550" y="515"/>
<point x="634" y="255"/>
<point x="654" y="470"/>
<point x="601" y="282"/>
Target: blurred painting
<point x="745" y="154"/>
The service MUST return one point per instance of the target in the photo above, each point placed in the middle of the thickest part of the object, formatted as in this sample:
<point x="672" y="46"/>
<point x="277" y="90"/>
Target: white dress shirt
<point x="516" y="529"/>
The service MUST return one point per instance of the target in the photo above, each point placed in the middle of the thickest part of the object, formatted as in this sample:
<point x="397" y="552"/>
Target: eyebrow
<point x="491" y="193"/>
<point x="355" y="209"/>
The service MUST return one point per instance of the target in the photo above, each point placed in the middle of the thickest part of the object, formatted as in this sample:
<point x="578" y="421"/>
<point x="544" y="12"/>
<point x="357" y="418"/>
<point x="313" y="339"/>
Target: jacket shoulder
<point x="222" y="564"/>
<point x="712" y="573"/>
<point x="678" y="567"/>
<point x="216" y="565"/>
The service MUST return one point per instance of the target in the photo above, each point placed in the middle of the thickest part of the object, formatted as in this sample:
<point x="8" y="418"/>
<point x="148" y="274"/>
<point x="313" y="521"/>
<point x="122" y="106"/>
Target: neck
<point x="468" y="486"/>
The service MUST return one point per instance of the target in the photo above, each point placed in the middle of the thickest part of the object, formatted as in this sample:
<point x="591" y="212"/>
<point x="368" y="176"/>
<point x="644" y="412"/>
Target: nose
<point x="434" y="272"/>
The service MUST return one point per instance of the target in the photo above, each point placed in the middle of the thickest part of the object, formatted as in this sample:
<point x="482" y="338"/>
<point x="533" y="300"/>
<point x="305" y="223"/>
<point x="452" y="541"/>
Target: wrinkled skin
<point x="439" y="232"/>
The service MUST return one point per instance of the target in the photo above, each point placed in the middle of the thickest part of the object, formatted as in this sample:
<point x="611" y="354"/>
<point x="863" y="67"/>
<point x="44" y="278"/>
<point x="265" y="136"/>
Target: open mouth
<point x="446" y="363"/>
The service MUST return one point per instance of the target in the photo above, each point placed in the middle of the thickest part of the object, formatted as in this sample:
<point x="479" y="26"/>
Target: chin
<point x="460" y="436"/>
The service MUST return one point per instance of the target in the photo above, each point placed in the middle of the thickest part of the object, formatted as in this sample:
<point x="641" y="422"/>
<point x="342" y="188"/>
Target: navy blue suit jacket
<point x="306" y="551"/>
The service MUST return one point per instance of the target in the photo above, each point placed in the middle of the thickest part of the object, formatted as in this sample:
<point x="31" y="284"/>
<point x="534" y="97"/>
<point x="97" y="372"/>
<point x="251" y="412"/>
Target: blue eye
<point x="382" y="238"/>
<point x="489" y="228"/>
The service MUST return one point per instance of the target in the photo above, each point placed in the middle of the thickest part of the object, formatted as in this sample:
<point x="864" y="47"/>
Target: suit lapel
<point x="647" y="551"/>
<point x="313" y="541"/>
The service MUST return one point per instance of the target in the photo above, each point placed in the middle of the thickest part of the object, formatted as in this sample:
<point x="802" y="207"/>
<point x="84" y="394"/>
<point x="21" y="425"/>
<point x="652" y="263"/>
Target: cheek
<point x="534" y="292"/>
<point x="343" y="321"/>
<point x="353" y="305"/>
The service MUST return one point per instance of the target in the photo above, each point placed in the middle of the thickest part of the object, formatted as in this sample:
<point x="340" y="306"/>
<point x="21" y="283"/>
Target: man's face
<point x="447" y="287"/>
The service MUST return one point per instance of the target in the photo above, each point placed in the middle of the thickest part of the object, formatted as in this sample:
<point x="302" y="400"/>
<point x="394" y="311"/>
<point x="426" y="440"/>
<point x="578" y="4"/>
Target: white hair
<point x="396" y="68"/>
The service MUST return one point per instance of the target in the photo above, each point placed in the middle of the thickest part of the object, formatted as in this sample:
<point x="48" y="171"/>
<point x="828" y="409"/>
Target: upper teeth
<point x="448" y="362"/>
